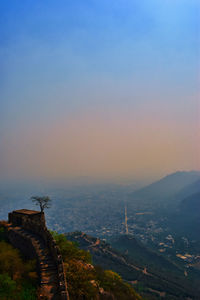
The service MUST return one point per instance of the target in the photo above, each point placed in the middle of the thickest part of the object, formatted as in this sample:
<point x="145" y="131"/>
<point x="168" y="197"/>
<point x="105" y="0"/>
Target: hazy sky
<point x="101" y="88"/>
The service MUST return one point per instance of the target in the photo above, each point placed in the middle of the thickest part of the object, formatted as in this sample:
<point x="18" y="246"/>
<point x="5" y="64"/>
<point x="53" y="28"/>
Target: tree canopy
<point x="42" y="201"/>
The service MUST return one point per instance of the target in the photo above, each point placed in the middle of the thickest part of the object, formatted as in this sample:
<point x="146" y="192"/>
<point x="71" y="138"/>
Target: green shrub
<point x="18" y="277"/>
<point x="70" y="250"/>
<point x="84" y="279"/>
<point x="7" y="287"/>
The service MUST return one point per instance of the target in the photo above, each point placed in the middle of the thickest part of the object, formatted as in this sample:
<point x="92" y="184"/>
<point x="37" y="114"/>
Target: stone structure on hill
<point x="27" y="231"/>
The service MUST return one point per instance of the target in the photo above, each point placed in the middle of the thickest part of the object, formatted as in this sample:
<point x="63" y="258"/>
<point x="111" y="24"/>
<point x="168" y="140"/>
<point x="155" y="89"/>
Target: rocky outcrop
<point x="26" y="230"/>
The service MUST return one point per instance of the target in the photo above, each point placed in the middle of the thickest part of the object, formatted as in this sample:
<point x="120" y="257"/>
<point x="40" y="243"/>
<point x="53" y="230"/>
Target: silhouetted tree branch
<point x="43" y="202"/>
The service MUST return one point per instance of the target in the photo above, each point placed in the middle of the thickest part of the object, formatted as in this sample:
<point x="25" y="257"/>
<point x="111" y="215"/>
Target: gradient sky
<point x="101" y="88"/>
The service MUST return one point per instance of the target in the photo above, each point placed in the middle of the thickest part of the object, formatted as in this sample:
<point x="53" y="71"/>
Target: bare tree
<point x="43" y="202"/>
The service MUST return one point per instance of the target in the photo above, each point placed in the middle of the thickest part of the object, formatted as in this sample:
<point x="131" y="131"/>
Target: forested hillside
<point x="18" y="277"/>
<point x="19" y="280"/>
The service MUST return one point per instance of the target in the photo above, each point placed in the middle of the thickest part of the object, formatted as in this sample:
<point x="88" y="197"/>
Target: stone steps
<point x="44" y="264"/>
<point x="48" y="269"/>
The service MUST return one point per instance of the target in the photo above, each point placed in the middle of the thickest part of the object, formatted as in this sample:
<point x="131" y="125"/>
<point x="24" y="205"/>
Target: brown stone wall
<point x="55" y="252"/>
<point x="23" y="243"/>
<point x="36" y="224"/>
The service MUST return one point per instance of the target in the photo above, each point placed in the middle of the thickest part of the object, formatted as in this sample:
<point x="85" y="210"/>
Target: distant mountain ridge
<point x="168" y="189"/>
<point x="190" y="189"/>
<point x="186" y="220"/>
<point x="191" y="204"/>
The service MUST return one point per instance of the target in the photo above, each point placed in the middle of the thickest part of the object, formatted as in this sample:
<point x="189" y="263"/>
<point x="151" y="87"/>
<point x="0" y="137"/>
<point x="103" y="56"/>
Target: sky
<point x="99" y="89"/>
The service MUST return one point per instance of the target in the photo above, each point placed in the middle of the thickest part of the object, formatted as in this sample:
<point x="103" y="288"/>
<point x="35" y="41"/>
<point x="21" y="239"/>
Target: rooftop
<point x="27" y="212"/>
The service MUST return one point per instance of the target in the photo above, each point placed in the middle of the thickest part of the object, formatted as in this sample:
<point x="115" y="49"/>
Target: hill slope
<point x="191" y="205"/>
<point x="151" y="275"/>
<point x="185" y="220"/>
<point x="190" y="189"/>
<point x="165" y="190"/>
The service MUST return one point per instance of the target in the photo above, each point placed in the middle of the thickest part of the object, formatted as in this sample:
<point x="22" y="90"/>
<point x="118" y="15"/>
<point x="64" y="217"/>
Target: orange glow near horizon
<point x="102" y="146"/>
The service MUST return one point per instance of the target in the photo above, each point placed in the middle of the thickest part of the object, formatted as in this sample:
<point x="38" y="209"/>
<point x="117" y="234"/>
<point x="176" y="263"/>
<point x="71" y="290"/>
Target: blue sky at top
<point x="59" y="58"/>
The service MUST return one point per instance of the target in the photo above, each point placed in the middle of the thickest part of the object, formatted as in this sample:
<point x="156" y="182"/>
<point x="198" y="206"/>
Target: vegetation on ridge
<point x="18" y="277"/>
<point x="91" y="281"/>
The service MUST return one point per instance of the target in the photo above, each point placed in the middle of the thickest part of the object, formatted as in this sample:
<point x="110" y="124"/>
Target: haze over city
<point x="102" y="89"/>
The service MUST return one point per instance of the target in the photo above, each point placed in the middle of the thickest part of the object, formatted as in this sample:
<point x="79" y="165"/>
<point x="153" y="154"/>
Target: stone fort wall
<point x="35" y="223"/>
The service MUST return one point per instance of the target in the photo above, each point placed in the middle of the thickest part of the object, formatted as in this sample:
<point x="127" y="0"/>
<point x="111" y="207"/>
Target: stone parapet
<point x="23" y="227"/>
<point x="55" y="252"/>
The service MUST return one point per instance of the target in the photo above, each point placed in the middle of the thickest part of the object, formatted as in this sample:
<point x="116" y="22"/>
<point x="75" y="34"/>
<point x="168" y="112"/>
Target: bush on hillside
<point x="18" y="277"/>
<point x="85" y="280"/>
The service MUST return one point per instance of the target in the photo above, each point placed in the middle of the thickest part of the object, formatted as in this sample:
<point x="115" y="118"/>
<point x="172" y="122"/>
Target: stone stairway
<point x="47" y="268"/>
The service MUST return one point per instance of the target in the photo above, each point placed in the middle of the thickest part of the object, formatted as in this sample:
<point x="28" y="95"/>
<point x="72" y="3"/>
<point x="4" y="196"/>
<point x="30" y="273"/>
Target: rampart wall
<point x="26" y="245"/>
<point x="57" y="257"/>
